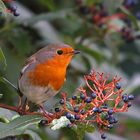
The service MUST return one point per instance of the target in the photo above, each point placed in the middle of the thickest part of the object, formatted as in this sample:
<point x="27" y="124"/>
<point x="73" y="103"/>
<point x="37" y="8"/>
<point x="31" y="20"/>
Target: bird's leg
<point x="24" y="107"/>
<point x="46" y="113"/>
<point x="19" y="106"/>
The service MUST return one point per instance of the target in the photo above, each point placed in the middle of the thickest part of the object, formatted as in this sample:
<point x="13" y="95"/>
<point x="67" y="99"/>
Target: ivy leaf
<point x="18" y="125"/>
<point x="2" y="59"/>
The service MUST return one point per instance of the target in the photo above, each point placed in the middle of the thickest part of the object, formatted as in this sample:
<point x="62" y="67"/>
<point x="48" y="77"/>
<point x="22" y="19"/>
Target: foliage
<point x="18" y="125"/>
<point x="107" y="33"/>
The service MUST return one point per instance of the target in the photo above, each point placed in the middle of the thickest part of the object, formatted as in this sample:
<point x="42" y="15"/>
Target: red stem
<point x="9" y="107"/>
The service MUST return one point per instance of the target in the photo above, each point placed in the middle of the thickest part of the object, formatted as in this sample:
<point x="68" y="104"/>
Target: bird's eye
<point x="59" y="52"/>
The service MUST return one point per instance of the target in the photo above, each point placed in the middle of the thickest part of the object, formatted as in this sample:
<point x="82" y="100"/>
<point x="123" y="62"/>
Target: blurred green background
<point x="102" y="48"/>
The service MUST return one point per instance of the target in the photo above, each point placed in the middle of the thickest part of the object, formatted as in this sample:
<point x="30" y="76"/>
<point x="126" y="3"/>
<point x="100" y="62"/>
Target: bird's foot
<point x="46" y="114"/>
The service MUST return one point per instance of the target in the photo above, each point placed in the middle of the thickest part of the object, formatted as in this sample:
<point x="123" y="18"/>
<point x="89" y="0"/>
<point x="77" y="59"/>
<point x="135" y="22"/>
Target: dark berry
<point x="128" y="22"/>
<point x="118" y="86"/>
<point x="76" y="109"/>
<point x="72" y="119"/>
<point x="57" y="109"/>
<point x="68" y="115"/>
<point x="82" y="111"/>
<point x="131" y="2"/>
<point x="115" y="120"/>
<point x="123" y="96"/>
<point x="93" y="95"/>
<point x="110" y="126"/>
<point x="61" y="101"/>
<point x="125" y="99"/>
<point x="103" y="14"/>
<point x="138" y="15"/>
<point x="111" y="120"/>
<point x="137" y="36"/>
<point x="68" y="125"/>
<point x="79" y="2"/>
<point x="82" y="96"/>
<point x="129" y="104"/>
<point x="104" y="93"/>
<point x="95" y="109"/>
<point x="74" y="97"/>
<point x="111" y="117"/>
<point x="110" y="111"/>
<point x="131" y="97"/>
<point x="103" y="136"/>
<point x="130" y="38"/>
<point x="13" y="8"/>
<point x="105" y="106"/>
<point x="84" y="10"/>
<point x="43" y="122"/>
<point x="88" y="100"/>
<point x="100" y="110"/>
<point x="16" y="13"/>
<point x="106" y="117"/>
<point x="10" y="138"/>
<point x="77" y="117"/>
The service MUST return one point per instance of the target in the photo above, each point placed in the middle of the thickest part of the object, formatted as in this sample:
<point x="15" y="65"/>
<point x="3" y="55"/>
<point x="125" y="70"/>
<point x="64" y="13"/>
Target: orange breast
<point x="45" y="74"/>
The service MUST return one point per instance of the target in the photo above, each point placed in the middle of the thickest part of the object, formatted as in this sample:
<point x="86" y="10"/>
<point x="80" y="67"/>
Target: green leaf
<point x="90" y="128"/>
<point x="2" y="59"/>
<point x="97" y="55"/>
<point x="82" y="129"/>
<point x="132" y="125"/>
<point x="62" y="14"/>
<point x="91" y="2"/>
<point x="2" y="9"/>
<point x="86" y="62"/>
<point x="18" y="125"/>
<point x="131" y="16"/>
<point x="1" y="95"/>
<point x="111" y="5"/>
<point x="69" y="106"/>
<point x="21" y="42"/>
<point x="113" y="41"/>
<point x="48" y="3"/>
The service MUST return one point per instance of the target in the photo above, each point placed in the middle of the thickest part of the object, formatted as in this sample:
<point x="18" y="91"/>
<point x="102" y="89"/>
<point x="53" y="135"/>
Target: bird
<point x="44" y="73"/>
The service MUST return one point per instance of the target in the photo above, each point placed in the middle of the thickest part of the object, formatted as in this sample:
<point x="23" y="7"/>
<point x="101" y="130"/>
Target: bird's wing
<point x="28" y="62"/>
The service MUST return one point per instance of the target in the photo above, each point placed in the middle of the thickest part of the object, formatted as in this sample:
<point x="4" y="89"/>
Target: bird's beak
<point x="76" y="52"/>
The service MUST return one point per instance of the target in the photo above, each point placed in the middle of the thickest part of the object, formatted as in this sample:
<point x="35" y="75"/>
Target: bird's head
<point x="58" y="54"/>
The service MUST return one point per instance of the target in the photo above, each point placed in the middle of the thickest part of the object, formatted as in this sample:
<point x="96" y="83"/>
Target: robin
<point x="44" y="72"/>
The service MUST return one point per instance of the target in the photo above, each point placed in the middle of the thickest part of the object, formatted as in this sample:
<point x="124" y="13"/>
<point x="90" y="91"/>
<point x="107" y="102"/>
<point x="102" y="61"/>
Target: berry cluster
<point x="131" y="2"/>
<point x="98" y="103"/>
<point x="127" y="35"/>
<point x="98" y="15"/>
<point x="11" y="7"/>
